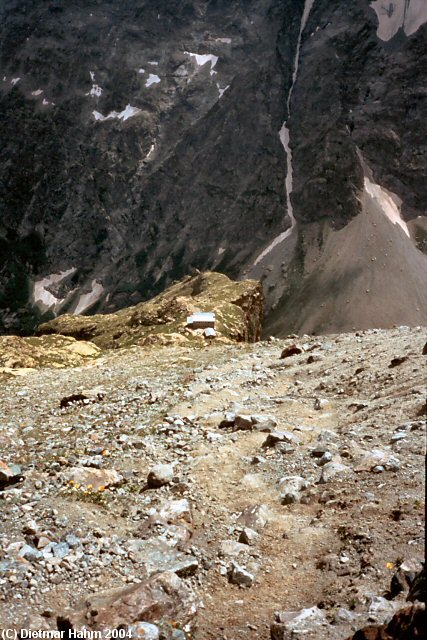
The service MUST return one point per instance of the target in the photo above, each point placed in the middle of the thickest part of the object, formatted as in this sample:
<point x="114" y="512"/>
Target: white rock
<point x="291" y="487"/>
<point x="144" y="630"/>
<point x="160" y="475"/>
<point x="239" y="575"/>
<point x="333" y="469"/>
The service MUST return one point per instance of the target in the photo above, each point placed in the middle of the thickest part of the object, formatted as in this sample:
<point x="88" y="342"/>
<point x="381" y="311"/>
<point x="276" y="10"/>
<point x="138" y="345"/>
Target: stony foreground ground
<point x="284" y="484"/>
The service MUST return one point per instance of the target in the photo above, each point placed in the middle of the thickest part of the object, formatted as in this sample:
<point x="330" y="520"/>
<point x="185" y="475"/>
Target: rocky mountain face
<point x="279" y="139"/>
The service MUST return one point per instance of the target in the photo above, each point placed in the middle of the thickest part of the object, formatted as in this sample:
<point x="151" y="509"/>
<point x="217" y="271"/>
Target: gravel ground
<point x="266" y="484"/>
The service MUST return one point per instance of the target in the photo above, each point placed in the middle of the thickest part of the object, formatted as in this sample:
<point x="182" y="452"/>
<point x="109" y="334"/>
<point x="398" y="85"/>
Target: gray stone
<point x="30" y="553"/>
<point x="399" y="435"/>
<point x="157" y="555"/>
<point x="72" y="540"/>
<point x="372" y="460"/>
<point x="240" y="576"/>
<point x="160" y="475"/>
<point x="285" y="448"/>
<point x="144" y="631"/>
<point x="231" y="548"/>
<point x="320" y="403"/>
<point x="293" y="624"/>
<point x="173" y="511"/>
<point x="328" y="436"/>
<point x="380" y="609"/>
<point x="327" y="457"/>
<point x="290" y="489"/>
<point x="275" y="437"/>
<point x="248" y="536"/>
<point x="392" y="464"/>
<point x="332" y="470"/>
<point x="255" y="517"/>
<point x="343" y="615"/>
<point x="61" y="550"/>
<point x="31" y="527"/>
<point x="264" y="423"/>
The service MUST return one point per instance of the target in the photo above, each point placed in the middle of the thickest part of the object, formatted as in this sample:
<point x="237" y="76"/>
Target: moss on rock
<point x="238" y="307"/>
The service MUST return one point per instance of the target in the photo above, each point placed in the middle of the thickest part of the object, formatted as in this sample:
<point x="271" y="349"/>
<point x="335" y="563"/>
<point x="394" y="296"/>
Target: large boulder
<point x="162" y="598"/>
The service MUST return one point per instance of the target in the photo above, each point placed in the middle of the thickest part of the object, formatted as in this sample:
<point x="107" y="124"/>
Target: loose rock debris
<point x="248" y="500"/>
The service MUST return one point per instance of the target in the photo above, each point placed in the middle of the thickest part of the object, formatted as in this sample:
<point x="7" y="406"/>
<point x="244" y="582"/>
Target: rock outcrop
<point x="406" y="624"/>
<point x="238" y="308"/>
<point x="46" y="351"/>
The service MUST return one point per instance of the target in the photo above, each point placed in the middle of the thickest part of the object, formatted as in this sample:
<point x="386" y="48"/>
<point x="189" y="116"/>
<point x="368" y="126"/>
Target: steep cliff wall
<point x="141" y="140"/>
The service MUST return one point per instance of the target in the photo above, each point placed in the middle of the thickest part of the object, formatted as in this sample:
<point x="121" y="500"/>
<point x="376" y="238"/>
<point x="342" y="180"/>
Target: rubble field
<point x="226" y="492"/>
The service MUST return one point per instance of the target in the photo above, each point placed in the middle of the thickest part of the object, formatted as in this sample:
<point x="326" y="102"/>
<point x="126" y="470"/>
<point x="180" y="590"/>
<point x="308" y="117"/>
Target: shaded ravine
<point x="284" y="135"/>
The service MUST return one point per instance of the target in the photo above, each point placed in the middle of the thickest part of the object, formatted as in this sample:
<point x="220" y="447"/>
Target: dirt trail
<point x="291" y="539"/>
<point x="336" y="548"/>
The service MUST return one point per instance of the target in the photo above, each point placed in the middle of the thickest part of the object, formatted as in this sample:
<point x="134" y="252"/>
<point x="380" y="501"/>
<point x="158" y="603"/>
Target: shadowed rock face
<point x="126" y="161"/>
<point x="407" y="624"/>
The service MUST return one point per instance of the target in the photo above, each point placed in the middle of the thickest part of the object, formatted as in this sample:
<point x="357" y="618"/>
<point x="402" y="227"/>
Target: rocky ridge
<point x="238" y="308"/>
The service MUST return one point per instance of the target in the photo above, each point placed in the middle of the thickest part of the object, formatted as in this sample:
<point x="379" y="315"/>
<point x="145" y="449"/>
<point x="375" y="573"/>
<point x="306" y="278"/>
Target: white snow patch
<point x="222" y="91"/>
<point x="4" y="78"/>
<point x="153" y="63"/>
<point x="38" y="92"/>
<point x="96" y="90"/>
<point x="389" y="203"/>
<point x="393" y="15"/>
<point x="14" y="81"/>
<point x="308" y="5"/>
<point x="127" y="113"/>
<point x="150" y="153"/>
<point x="221" y="250"/>
<point x="284" y="136"/>
<point x="45" y="102"/>
<point x="43" y="298"/>
<point x="141" y="71"/>
<point x="223" y="40"/>
<point x="86" y="300"/>
<point x="152" y="79"/>
<point x="202" y="59"/>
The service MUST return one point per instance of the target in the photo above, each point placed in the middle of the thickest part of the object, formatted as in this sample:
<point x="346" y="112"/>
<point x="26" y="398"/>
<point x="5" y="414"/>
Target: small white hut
<point x="201" y="320"/>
